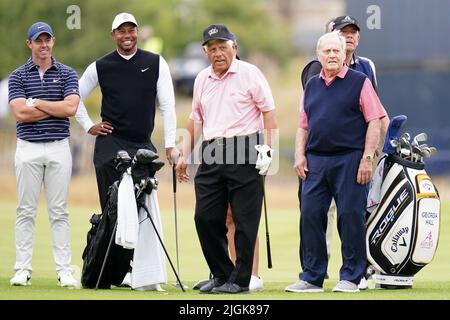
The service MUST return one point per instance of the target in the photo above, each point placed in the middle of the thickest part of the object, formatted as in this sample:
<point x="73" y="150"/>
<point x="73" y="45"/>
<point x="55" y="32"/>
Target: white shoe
<point x="151" y="287"/>
<point x="21" y="278"/>
<point x="303" y="286"/>
<point x="345" y="286"/>
<point x="126" y="281"/>
<point x="256" y="284"/>
<point x="66" y="279"/>
<point x="363" y="285"/>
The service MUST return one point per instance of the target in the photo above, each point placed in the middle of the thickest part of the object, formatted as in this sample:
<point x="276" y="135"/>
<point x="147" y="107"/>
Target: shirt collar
<point x="234" y="67"/>
<point x="30" y="64"/>
<point x="341" y="75"/>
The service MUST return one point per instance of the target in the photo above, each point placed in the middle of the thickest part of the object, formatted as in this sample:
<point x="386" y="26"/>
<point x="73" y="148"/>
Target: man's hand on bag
<point x="264" y="158"/>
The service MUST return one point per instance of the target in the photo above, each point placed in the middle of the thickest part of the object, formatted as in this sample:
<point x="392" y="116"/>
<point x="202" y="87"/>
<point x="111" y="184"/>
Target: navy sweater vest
<point x="336" y="124"/>
<point x="129" y="93"/>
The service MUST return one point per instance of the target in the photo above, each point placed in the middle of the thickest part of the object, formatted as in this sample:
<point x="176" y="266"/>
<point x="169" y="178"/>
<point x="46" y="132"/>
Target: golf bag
<point x="403" y="221"/>
<point x="103" y="226"/>
<point x="100" y="250"/>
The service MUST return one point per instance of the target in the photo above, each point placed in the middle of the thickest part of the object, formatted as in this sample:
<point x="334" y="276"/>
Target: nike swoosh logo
<point x="55" y="80"/>
<point x="40" y="27"/>
<point x="143" y="70"/>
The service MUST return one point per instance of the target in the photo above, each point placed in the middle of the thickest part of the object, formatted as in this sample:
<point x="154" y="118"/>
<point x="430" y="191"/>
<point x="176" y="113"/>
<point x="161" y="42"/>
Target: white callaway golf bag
<point x="403" y="211"/>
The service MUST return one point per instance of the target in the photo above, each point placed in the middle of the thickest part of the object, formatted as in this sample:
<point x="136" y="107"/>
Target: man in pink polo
<point x="234" y="111"/>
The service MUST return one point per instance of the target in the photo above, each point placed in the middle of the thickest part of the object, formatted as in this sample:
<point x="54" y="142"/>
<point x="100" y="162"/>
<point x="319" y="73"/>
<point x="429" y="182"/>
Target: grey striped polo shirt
<point x="58" y="82"/>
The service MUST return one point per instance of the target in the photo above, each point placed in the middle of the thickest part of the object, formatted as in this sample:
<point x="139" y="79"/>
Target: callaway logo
<point x="213" y="31"/>
<point x="143" y="70"/>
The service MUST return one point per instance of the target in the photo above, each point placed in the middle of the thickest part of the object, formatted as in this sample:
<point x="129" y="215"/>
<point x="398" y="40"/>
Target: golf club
<point x="174" y="188"/>
<point x="269" y="255"/>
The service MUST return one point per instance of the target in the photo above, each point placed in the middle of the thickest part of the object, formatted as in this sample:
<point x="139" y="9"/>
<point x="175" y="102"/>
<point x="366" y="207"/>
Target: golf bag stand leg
<point x="106" y="256"/>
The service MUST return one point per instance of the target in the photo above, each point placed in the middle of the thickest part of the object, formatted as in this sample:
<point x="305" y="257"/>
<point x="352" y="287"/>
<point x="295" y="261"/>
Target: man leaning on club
<point x="339" y="131"/>
<point x="232" y="104"/>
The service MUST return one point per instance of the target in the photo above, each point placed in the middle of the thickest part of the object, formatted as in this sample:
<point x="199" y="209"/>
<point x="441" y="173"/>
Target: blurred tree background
<point x="176" y="22"/>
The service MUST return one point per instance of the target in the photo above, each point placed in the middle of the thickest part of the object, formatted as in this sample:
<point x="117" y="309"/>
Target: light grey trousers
<point x="48" y="164"/>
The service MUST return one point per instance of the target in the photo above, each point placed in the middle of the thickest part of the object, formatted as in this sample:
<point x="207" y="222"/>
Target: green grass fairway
<point x="433" y="282"/>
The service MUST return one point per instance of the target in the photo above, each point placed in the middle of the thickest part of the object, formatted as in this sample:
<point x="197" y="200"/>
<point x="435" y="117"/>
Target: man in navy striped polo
<point x="43" y="93"/>
<point x="339" y="131"/>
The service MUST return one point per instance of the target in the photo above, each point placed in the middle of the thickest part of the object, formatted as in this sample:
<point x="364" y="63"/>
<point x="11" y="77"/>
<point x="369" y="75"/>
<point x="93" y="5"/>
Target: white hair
<point x="332" y="35"/>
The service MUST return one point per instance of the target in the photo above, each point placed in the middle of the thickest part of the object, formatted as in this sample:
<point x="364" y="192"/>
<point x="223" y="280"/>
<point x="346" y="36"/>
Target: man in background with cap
<point x="43" y="94"/>
<point x="232" y="104"/>
<point x="133" y="83"/>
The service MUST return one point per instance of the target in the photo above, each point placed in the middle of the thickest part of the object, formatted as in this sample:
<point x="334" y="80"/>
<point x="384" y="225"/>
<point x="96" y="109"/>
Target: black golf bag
<point x="98" y="238"/>
<point x="403" y="225"/>
<point x="117" y="259"/>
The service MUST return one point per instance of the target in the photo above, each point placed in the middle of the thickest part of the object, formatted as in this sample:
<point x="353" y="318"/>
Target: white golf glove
<point x="30" y="102"/>
<point x="264" y="158"/>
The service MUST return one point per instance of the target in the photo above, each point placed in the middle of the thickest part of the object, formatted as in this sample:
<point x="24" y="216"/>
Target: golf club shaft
<point x="174" y="185"/>
<point x="269" y="254"/>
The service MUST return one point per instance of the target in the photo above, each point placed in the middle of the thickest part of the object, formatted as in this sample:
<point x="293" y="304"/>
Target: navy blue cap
<point x="217" y="31"/>
<point x="37" y="29"/>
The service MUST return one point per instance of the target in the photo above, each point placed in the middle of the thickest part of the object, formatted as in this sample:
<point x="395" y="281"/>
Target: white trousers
<point x="50" y="164"/>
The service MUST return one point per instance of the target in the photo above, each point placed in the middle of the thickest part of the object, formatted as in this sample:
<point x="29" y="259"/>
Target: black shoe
<point x="200" y="284"/>
<point x="230" y="288"/>
<point x="210" y="285"/>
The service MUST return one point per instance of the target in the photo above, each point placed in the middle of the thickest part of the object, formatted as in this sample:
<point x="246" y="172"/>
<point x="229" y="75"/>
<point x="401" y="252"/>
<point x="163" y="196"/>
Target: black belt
<point x="221" y="141"/>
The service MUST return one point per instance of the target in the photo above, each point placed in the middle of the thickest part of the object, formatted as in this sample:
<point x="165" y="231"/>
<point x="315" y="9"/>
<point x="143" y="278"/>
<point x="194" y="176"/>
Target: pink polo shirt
<point x="231" y="105"/>
<point x="370" y="104"/>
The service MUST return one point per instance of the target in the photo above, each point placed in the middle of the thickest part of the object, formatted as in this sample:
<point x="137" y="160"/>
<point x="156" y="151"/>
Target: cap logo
<point x="40" y="27"/>
<point x="347" y="19"/>
<point x="213" y="31"/>
<point x="124" y="16"/>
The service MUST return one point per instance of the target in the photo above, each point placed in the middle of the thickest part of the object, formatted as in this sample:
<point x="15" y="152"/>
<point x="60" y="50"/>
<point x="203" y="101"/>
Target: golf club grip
<point x="174" y="180"/>
<point x="269" y="254"/>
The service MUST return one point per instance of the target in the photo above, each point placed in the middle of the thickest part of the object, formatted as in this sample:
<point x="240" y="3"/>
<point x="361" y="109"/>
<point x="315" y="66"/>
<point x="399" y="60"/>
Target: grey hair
<point x="332" y="35"/>
<point x="229" y="42"/>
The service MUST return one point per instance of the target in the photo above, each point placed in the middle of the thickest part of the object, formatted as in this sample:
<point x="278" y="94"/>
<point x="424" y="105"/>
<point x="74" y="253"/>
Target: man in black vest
<point x="132" y="81"/>
<point x="339" y="131"/>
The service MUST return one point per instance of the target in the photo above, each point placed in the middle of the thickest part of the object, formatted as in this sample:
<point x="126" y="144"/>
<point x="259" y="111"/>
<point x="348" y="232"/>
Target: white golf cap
<point x="122" y="18"/>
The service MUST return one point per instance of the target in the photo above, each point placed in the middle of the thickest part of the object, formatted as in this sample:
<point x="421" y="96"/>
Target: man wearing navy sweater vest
<point x="339" y="131"/>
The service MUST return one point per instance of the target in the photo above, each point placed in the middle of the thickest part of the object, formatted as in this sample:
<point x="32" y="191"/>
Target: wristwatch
<point x="368" y="157"/>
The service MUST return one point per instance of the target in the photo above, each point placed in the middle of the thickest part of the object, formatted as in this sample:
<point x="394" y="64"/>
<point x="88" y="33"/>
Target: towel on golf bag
<point x="149" y="264"/>
<point x="127" y="216"/>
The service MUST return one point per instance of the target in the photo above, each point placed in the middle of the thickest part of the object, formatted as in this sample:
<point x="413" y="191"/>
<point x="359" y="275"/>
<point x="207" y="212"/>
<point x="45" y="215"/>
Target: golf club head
<point x="425" y="152"/>
<point x="122" y="160"/>
<point x="433" y="151"/>
<point x="421" y="137"/>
